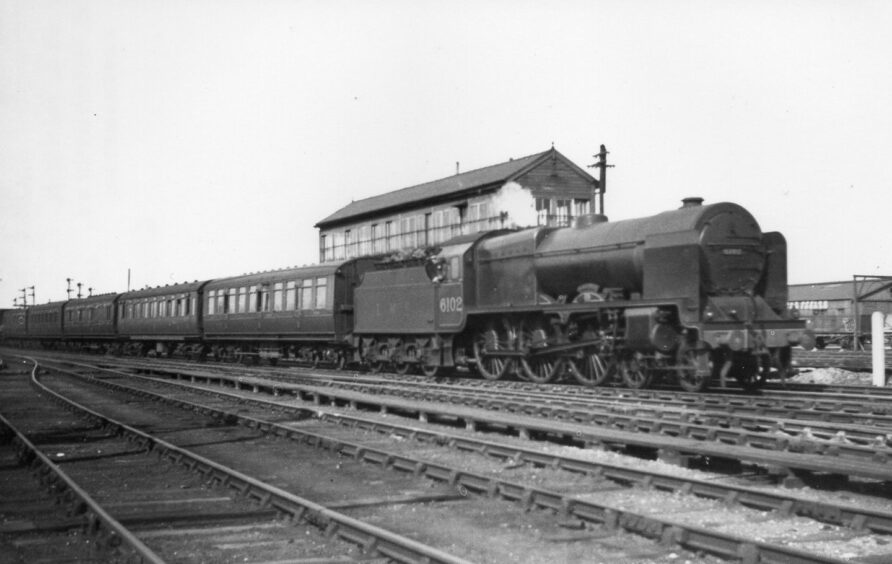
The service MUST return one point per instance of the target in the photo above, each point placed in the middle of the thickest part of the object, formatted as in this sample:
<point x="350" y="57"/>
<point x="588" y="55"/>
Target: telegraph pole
<point x="602" y="181"/>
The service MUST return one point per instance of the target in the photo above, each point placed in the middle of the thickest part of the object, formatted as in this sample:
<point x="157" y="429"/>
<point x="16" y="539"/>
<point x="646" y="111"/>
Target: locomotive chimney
<point x="692" y="202"/>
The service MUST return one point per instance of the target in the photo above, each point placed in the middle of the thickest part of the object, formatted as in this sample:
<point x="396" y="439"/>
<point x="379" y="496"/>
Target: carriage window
<point x="242" y="299"/>
<point x="212" y="300"/>
<point x="277" y="296"/>
<point x="321" y="293"/>
<point x="252" y="299"/>
<point x="263" y="297"/>
<point x="227" y="301"/>
<point x="291" y="296"/>
<point x="306" y="294"/>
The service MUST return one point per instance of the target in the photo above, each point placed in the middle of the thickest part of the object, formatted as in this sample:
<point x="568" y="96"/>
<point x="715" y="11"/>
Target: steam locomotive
<point x="691" y="295"/>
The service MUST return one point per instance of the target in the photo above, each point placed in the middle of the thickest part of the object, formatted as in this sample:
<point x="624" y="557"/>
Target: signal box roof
<point x="493" y="176"/>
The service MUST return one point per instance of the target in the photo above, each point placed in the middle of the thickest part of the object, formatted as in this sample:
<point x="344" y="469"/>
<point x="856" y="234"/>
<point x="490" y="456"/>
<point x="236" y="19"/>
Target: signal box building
<point x="555" y="191"/>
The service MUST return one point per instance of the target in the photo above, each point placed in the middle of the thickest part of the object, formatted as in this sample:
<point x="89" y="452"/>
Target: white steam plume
<point x="515" y="205"/>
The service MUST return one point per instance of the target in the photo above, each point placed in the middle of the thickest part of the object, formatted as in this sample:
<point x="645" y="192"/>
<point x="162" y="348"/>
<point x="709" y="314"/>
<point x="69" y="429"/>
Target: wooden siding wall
<point x="556" y="179"/>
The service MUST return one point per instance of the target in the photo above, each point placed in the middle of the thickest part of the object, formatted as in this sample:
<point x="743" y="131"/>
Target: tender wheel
<point x="406" y="360"/>
<point x="430" y="370"/>
<point x="340" y="361"/>
<point x="694" y="369"/>
<point x="490" y="367"/>
<point x="591" y="369"/>
<point x="379" y="363"/>
<point x="635" y="372"/>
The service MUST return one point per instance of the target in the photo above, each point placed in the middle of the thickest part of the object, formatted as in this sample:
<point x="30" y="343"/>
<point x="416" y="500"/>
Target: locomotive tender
<point x="693" y="294"/>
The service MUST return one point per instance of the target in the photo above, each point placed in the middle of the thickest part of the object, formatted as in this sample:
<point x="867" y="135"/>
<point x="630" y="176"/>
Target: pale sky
<point x="191" y="140"/>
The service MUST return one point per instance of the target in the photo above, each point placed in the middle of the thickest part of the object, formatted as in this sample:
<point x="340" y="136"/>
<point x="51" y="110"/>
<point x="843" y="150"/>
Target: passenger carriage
<point x="303" y="314"/>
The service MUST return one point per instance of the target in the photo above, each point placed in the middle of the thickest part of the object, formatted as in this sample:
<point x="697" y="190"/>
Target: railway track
<point x="126" y="501"/>
<point x="577" y="508"/>
<point x="841" y="429"/>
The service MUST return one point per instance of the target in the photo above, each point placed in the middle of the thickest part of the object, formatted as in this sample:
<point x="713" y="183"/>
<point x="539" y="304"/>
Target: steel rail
<point x="793" y="455"/>
<point x="97" y="521"/>
<point x="836" y="514"/>
<point x="773" y="419"/>
<point x="373" y="540"/>
<point x="688" y="427"/>
<point x="761" y="410"/>
<point x="664" y="530"/>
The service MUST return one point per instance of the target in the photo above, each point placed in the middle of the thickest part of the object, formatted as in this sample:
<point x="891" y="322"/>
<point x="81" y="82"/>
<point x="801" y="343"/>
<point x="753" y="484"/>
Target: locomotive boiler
<point x="695" y="293"/>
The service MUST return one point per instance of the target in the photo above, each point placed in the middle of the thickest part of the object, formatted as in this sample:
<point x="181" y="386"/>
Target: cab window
<point x="455" y="268"/>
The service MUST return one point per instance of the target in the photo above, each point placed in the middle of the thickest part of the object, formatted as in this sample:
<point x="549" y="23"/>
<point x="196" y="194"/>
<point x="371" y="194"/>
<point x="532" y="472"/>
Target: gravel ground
<point x="836" y="376"/>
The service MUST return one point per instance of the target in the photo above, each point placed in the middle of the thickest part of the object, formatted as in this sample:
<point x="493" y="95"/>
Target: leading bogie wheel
<point x="635" y="372"/>
<point x="694" y="369"/>
<point x="751" y="371"/>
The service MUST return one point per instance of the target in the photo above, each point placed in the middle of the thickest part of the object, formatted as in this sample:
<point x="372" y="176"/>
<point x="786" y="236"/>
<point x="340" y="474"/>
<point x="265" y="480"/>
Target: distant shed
<point x="837" y="311"/>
